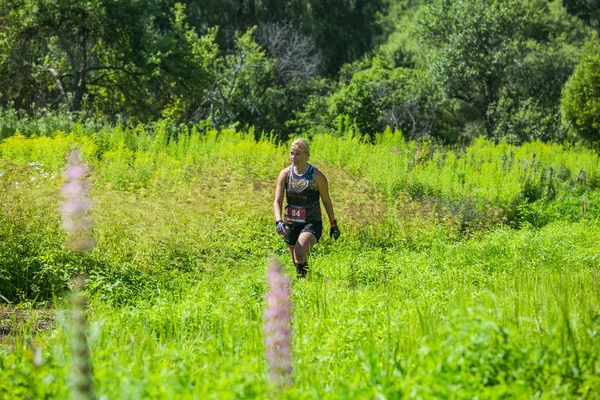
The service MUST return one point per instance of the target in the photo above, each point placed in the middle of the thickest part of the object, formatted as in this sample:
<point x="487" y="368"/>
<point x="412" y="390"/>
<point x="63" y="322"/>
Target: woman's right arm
<point x="279" y="193"/>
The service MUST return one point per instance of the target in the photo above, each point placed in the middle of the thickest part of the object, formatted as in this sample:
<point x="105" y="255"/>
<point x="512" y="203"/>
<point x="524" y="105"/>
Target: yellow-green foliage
<point x="50" y="151"/>
<point x="156" y="158"/>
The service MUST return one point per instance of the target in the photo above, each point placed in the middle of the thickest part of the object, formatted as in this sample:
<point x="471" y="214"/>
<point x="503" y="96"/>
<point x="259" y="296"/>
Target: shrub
<point x="580" y="105"/>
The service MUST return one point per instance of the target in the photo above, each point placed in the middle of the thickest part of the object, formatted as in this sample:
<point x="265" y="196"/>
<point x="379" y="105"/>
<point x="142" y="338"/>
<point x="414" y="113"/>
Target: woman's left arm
<point x="323" y="188"/>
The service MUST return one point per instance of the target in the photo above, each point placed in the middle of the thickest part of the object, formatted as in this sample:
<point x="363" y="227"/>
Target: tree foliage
<point x="587" y="10"/>
<point x="581" y="95"/>
<point x="471" y="46"/>
<point x="380" y="96"/>
<point x="343" y="30"/>
<point x="500" y="65"/>
<point x="130" y="56"/>
<point x="443" y="69"/>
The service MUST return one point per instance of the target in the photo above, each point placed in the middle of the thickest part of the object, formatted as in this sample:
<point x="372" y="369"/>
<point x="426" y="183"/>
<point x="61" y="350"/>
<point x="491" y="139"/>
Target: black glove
<point x="334" y="231"/>
<point x="280" y="227"/>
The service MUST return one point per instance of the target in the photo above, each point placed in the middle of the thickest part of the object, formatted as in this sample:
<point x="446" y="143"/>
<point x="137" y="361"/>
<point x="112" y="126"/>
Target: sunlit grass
<point x="431" y="292"/>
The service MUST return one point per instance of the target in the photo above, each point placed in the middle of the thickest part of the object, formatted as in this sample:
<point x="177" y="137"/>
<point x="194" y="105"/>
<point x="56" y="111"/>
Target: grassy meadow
<point x="460" y="273"/>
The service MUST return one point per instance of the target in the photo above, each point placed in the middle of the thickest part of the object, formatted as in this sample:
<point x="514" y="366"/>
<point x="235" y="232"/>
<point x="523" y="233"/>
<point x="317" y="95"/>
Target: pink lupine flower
<point x="76" y="204"/>
<point x="76" y="171"/>
<point x="73" y="187"/>
<point x="278" y="334"/>
<point x="76" y="208"/>
<point x="77" y="223"/>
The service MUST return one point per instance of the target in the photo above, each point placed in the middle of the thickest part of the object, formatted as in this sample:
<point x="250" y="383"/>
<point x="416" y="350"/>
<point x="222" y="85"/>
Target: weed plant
<point x="459" y="273"/>
<point x="45" y="122"/>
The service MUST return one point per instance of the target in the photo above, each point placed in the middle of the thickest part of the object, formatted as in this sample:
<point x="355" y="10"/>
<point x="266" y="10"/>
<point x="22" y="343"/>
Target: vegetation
<point x="581" y="105"/>
<point x="460" y="140"/>
<point x="437" y="69"/>
<point x="458" y="272"/>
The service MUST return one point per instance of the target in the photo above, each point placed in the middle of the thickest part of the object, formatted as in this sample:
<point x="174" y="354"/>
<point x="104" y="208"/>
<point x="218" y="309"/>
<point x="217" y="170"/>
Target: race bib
<point x="296" y="214"/>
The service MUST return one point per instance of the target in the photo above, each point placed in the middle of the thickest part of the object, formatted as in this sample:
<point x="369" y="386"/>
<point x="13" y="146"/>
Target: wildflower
<point x="277" y="326"/>
<point x="76" y="205"/>
<point x="77" y="223"/>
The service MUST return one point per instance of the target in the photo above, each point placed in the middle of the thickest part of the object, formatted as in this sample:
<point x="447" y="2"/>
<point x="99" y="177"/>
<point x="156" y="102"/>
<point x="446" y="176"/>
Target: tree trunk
<point x="79" y="88"/>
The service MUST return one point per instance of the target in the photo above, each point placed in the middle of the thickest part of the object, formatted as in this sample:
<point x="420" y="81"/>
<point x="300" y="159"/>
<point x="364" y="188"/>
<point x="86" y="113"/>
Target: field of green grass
<point x="460" y="273"/>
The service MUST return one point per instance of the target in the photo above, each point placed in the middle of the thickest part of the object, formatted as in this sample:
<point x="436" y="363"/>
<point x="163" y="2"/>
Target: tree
<point x="472" y="44"/>
<point x="344" y="30"/>
<point x="295" y="54"/>
<point x="21" y="81"/>
<point x="372" y="95"/>
<point x="183" y="66"/>
<point x="501" y="65"/>
<point x="528" y="105"/>
<point x="238" y="93"/>
<point x="587" y="10"/>
<point x="580" y="105"/>
<point x="399" y="46"/>
<point x="129" y="57"/>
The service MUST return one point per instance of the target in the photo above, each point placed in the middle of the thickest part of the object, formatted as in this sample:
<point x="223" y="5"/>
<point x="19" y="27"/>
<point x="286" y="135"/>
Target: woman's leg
<point x="306" y="240"/>
<point x="291" y="249"/>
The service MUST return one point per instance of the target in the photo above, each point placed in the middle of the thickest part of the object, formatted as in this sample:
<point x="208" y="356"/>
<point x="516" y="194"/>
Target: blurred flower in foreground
<point x="76" y="205"/>
<point x="77" y="223"/>
<point x="278" y="335"/>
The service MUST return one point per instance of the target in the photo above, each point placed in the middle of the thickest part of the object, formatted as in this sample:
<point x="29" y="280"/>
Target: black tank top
<point x="302" y="197"/>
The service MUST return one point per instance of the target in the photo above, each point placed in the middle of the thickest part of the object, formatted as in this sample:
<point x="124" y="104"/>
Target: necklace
<point x="302" y="174"/>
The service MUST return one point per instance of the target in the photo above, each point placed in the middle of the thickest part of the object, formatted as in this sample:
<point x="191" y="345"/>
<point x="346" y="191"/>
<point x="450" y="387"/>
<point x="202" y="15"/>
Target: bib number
<point x="296" y="214"/>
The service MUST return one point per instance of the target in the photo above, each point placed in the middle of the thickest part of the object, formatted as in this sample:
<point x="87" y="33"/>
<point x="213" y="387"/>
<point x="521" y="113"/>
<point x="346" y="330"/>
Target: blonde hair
<point x="300" y="145"/>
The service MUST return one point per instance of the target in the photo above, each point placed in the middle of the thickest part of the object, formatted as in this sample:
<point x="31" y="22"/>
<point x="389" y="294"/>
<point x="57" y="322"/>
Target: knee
<point x="300" y="253"/>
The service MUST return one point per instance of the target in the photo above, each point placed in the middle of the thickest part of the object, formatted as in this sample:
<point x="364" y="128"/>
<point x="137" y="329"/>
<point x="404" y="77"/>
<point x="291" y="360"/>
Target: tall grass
<point x="459" y="321"/>
<point x="165" y="201"/>
<point x="452" y="277"/>
<point x="45" y="122"/>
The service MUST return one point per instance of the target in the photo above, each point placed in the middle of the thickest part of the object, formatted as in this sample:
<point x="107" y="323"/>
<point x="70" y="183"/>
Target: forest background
<point x="441" y="70"/>
<point x="460" y="139"/>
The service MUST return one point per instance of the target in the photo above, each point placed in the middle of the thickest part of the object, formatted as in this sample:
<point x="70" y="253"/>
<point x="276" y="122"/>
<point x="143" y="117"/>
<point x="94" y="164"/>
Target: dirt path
<point x="14" y="320"/>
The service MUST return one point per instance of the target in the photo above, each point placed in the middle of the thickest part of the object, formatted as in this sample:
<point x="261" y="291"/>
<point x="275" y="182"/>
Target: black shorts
<point x="294" y="231"/>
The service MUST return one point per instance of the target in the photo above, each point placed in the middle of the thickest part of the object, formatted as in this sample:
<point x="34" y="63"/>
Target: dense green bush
<point x="381" y="96"/>
<point x="581" y="95"/>
<point x="44" y="122"/>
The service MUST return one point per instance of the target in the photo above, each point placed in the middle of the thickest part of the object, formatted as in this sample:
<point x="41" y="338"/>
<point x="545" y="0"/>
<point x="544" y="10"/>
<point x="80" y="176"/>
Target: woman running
<point x="301" y="225"/>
